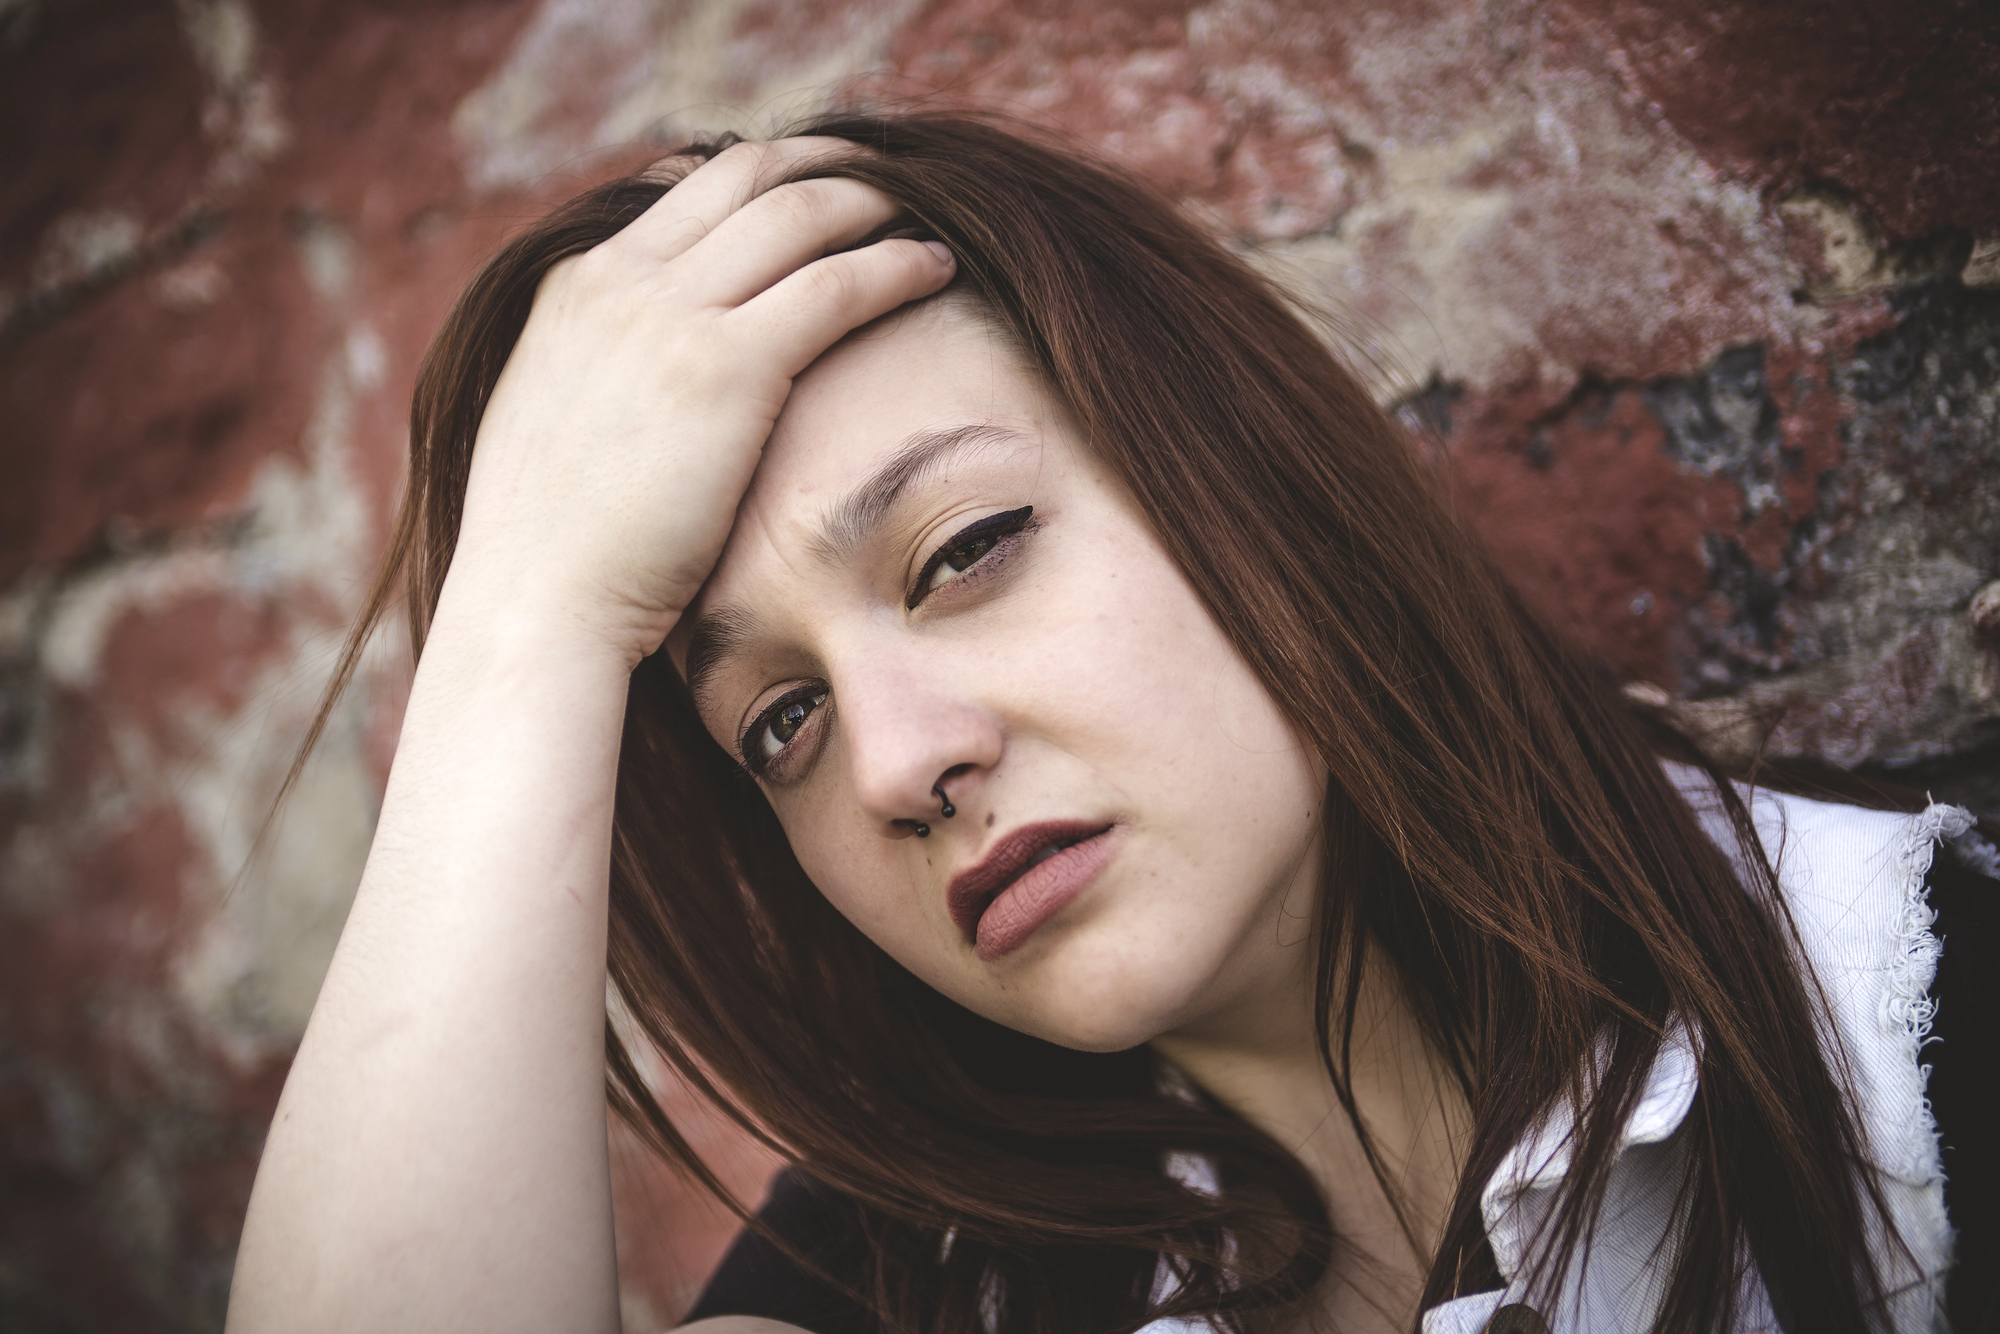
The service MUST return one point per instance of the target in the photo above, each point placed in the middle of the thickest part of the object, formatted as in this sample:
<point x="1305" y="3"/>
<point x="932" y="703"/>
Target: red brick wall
<point x="1701" y="299"/>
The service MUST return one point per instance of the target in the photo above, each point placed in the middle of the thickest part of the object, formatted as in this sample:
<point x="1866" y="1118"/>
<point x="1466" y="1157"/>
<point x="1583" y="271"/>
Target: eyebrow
<point x="721" y="633"/>
<point x="850" y="522"/>
<point x="717" y="635"/>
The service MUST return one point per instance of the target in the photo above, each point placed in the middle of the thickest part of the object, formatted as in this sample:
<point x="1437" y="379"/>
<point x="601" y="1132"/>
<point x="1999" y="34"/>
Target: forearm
<point x="438" y="1158"/>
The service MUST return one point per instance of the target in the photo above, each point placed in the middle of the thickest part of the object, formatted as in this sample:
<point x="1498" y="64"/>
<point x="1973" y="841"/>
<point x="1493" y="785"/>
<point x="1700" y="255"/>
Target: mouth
<point x="1025" y="879"/>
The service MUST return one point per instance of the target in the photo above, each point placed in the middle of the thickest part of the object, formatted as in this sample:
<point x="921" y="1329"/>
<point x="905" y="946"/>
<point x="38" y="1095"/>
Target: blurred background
<point x="1700" y="298"/>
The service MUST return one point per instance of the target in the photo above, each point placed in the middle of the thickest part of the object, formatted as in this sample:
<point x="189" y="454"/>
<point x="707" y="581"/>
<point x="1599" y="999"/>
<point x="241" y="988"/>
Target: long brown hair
<point x="1499" y="825"/>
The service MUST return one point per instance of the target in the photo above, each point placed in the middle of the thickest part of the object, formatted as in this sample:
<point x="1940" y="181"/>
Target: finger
<point x="781" y="231"/>
<point x="812" y="308"/>
<point x="717" y="188"/>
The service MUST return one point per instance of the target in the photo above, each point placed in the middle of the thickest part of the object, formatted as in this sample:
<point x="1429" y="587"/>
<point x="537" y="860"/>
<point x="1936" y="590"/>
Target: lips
<point x="1025" y="879"/>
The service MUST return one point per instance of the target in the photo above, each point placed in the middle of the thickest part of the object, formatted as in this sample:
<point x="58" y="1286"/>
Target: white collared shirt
<point x="1854" y="881"/>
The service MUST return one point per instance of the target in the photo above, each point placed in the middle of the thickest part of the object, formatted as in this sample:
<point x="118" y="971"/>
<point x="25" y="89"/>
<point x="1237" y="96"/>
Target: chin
<point x="1096" y="1037"/>
<point x="1087" y="996"/>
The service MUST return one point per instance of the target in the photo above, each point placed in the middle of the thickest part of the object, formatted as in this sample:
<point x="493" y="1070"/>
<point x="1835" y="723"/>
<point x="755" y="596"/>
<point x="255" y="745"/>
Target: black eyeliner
<point x="1010" y="521"/>
<point x="757" y="764"/>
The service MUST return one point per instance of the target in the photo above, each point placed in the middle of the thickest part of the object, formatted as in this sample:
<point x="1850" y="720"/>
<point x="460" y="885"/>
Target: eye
<point x="965" y="549"/>
<point x="773" y="730"/>
<point x="961" y="558"/>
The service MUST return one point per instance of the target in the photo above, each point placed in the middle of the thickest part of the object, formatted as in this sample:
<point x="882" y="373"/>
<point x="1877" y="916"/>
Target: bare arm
<point x="444" y="1118"/>
<point x="438" y="1160"/>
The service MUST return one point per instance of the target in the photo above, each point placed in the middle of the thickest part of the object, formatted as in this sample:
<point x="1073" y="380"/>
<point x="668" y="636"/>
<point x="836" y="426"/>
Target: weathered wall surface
<point x="1702" y="300"/>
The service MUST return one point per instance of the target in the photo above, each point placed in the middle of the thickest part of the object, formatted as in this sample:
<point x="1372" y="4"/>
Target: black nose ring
<point x="923" y="830"/>
<point x="949" y="809"/>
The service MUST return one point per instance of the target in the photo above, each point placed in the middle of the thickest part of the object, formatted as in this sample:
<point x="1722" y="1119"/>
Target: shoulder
<point x="1853" y="880"/>
<point x="1855" y="884"/>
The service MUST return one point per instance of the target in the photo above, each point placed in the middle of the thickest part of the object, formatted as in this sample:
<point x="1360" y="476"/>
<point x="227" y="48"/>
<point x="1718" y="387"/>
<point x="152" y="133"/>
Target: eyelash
<point x="992" y="530"/>
<point x="750" y="748"/>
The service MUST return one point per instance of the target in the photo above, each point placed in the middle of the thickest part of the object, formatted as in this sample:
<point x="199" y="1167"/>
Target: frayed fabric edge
<point x="1908" y="1006"/>
<point x="1914" y="963"/>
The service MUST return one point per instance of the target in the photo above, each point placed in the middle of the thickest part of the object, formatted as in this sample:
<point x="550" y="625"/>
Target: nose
<point x="914" y="745"/>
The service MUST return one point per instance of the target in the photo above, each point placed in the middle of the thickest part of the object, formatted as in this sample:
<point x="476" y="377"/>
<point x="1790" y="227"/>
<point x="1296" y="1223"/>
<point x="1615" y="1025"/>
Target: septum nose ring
<point x="923" y="830"/>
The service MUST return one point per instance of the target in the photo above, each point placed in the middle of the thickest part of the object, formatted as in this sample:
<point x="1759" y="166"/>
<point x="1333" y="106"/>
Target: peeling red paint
<point x="1896" y="104"/>
<point x="174" y="448"/>
<point x="202" y="653"/>
<point x="1584" y="511"/>
<point x="1261" y="145"/>
<point x="112" y="122"/>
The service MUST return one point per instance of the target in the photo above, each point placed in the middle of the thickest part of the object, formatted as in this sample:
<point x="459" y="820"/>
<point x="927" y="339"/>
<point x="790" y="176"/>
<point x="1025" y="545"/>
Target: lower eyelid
<point x="986" y="565"/>
<point x="773" y="769"/>
<point x="1002" y="552"/>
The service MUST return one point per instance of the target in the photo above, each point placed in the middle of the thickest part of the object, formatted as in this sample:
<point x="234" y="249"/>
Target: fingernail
<point x="941" y="250"/>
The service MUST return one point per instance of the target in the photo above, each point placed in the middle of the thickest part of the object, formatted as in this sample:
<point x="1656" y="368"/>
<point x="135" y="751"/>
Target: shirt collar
<point x="1513" y="1203"/>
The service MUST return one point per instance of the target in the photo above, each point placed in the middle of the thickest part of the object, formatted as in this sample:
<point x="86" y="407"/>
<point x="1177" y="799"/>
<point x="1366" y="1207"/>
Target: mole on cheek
<point x="989" y="819"/>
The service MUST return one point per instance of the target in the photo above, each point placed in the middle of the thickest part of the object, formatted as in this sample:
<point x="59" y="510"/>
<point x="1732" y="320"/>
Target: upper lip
<point x="974" y="887"/>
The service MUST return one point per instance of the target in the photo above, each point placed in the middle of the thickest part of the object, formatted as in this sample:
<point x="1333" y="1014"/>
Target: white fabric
<point x="1854" y="881"/>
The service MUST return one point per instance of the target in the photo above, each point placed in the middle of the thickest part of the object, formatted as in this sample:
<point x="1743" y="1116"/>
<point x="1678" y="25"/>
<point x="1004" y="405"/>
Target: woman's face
<point x="931" y="581"/>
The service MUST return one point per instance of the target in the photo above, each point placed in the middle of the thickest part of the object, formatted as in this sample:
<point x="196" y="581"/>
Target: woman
<point x="1050" y="763"/>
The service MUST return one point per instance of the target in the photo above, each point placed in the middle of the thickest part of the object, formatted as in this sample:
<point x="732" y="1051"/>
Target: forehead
<point x="940" y="373"/>
<point x="939" y="367"/>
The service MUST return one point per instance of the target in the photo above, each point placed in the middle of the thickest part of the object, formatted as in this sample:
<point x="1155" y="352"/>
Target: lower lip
<point x="1038" y="894"/>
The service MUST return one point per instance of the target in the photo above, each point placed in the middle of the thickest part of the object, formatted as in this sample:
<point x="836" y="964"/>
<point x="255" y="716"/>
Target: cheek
<point x="1228" y="793"/>
<point x="876" y="883"/>
<point x="1155" y="677"/>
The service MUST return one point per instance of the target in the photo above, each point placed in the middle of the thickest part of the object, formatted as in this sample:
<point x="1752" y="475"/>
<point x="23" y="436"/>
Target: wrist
<point x="529" y="621"/>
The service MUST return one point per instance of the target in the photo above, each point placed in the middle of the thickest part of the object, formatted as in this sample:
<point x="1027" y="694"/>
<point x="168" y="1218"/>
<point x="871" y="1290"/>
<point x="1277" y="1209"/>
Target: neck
<point x="1260" y="1057"/>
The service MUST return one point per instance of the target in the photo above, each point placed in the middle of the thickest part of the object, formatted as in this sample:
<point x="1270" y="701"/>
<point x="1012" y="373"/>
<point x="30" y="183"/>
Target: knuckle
<point x="801" y="206"/>
<point x="749" y="159"/>
<point x="834" y="281"/>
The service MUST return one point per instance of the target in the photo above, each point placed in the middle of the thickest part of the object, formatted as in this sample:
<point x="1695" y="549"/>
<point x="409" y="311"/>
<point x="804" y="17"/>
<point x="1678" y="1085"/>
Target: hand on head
<point x="632" y="411"/>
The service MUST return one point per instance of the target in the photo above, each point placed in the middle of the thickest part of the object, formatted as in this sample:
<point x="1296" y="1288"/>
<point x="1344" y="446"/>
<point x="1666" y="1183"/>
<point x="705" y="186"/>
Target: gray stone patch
<point x="1862" y="643"/>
